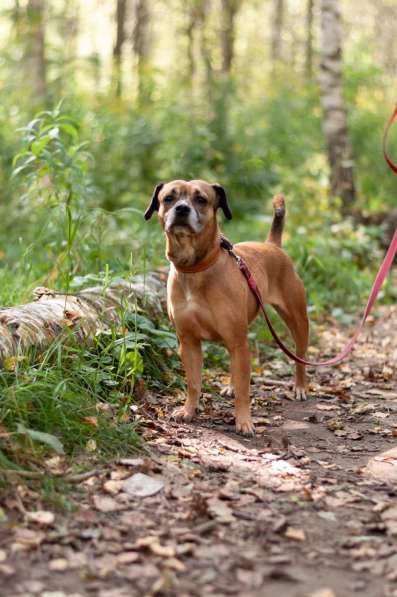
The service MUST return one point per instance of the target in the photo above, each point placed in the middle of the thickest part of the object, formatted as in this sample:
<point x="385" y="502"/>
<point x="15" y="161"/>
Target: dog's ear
<point x="154" y="202"/>
<point x="222" y="200"/>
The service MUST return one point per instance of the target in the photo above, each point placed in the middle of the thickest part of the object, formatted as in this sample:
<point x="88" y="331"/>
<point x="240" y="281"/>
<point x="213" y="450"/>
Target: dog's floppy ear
<point x="154" y="202"/>
<point x="222" y="200"/>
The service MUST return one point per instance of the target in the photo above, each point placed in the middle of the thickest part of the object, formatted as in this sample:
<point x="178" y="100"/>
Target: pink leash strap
<point x="389" y="161"/>
<point x="381" y="275"/>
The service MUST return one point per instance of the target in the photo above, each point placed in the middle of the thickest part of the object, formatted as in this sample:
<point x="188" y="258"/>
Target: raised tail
<point x="276" y="229"/>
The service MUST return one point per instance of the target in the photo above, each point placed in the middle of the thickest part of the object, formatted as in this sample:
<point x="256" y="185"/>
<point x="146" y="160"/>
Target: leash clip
<point x="239" y="262"/>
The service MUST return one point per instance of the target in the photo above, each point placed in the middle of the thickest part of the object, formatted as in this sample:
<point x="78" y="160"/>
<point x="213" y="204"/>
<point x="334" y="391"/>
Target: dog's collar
<point x="202" y="265"/>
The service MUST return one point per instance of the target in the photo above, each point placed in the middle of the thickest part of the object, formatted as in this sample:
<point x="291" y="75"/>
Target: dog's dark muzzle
<point x="180" y="215"/>
<point x="182" y="210"/>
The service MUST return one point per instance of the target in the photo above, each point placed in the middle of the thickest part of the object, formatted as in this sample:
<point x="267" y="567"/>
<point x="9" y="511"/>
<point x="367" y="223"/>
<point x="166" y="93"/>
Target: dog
<point x="207" y="296"/>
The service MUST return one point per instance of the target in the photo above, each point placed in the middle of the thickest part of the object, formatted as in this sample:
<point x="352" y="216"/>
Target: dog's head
<point x="187" y="207"/>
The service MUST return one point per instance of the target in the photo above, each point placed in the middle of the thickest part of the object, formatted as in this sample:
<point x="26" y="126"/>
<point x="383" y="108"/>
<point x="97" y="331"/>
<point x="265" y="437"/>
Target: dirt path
<point x="307" y="508"/>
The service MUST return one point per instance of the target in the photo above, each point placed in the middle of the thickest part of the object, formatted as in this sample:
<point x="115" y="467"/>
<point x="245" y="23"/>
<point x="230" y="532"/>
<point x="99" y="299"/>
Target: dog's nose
<point x="182" y="209"/>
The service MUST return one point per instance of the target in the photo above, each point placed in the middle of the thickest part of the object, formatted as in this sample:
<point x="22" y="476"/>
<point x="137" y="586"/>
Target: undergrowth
<point x="75" y="398"/>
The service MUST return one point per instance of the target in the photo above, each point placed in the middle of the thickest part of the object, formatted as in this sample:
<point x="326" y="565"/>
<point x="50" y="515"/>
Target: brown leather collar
<point x="201" y="265"/>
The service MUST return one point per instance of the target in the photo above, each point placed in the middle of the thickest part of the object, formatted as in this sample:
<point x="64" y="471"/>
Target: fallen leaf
<point x="28" y="538"/>
<point x="141" y="485"/>
<point x="252" y="578"/>
<point x="296" y="534"/>
<point x="91" y="445"/>
<point x="174" y="564"/>
<point x="7" y="570"/>
<point x="383" y="466"/>
<point x="128" y="557"/>
<point x="113" y="487"/>
<point x="327" y="515"/>
<point x="323" y="593"/>
<point x="153" y="544"/>
<point x="325" y="407"/>
<point x="10" y="363"/>
<point x="220" y="510"/>
<point x="58" y="564"/>
<point x="91" y="421"/>
<point x="77" y="559"/>
<point x="165" y="551"/>
<point x="41" y="517"/>
<point x="132" y="461"/>
<point x="105" y="503"/>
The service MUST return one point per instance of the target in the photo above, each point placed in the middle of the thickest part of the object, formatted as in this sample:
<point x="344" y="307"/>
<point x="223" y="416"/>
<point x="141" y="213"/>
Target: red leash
<point x="381" y="275"/>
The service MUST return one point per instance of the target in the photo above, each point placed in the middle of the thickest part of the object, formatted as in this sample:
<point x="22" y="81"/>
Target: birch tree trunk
<point x="334" y="111"/>
<point x="229" y="12"/>
<point x="204" y="8"/>
<point x="278" y="9"/>
<point x="191" y="18"/>
<point x="140" y="43"/>
<point x="309" y="39"/>
<point x="36" y="325"/>
<point x="35" y="58"/>
<point x="121" y="13"/>
<point x="385" y="35"/>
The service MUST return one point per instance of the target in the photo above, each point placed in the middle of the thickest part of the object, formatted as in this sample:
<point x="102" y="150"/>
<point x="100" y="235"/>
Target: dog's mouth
<point x="183" y="224"/>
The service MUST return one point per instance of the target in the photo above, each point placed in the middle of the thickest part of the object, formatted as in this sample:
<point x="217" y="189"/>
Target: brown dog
<point x="208" y="298"/>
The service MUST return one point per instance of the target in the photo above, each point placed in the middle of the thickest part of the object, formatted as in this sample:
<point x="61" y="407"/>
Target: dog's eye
<point x="201" y="200"/>
<point x="168" y="199"/>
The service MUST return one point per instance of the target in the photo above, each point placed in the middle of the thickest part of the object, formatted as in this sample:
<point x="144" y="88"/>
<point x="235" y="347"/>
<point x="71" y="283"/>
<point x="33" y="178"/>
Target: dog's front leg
<point x="241" y="372"/>
<point x="192" y="360"/>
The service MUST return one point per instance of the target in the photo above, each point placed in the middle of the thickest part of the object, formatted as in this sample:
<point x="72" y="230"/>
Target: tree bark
<point x="35" y="58"/>
<point x="121" y="13"/>
<point x="385" y="35"/>
<point x="36" y="325"/>
<point x="229" y="12"/>
<point x="190" y="28"/>
<point x="309" y="39"/>
<point x="203" y="8"/>
<point x="140" y="43"/>
<point x="277" y="31"/>
<point x="334" y="111"/>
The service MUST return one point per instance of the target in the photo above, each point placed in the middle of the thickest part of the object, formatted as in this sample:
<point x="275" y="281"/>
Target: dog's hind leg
<point x="192" y="360"/>
<point x="293" y="312"/>
<point x="240" y="382"/>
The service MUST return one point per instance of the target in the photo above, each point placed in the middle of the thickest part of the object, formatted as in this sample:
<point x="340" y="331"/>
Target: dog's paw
<point x="300" y="393"/>
<point x="245" y="426"/>
<point x="184" y="414"/>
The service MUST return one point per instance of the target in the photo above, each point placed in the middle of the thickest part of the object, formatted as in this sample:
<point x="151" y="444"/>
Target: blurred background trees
<point x="261" y="96"/>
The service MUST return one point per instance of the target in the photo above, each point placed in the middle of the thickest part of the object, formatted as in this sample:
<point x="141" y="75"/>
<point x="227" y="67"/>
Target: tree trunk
<point x="36" y="325"/>
<point x="121" y="13"/>
<point x="309" y="39"/>
<point x="35" y="59"/>
<point x="385" y="35"/>
<point x="334" y="111"/>
<point x="277" y="31"/>
<point x="229" y="12"/>
<point x="190" y="30"/>
<point x="203" y="8"/>
<point x="140" y="44"/>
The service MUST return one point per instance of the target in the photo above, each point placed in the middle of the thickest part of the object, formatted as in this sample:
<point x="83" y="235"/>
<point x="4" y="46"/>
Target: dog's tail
<point x="276" y="229"/>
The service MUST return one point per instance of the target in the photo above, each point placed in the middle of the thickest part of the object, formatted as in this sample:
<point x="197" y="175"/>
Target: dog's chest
<point x="191" y="313"/>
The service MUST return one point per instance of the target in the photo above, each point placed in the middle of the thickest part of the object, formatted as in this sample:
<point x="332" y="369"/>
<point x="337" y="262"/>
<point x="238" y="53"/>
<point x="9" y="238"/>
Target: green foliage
<point x="73" y="394"/>
<point x="54" y="166"/>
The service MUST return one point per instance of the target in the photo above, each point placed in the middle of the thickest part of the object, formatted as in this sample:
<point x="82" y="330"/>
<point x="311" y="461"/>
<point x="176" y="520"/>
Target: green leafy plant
<point x="54" y="164"/>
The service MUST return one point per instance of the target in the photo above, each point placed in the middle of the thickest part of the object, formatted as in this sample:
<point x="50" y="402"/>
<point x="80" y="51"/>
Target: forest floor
<point x="306" y="508"/>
